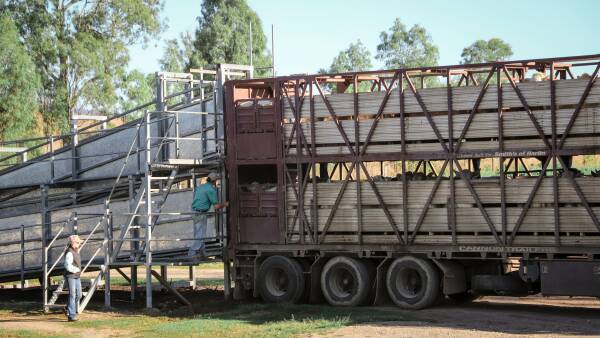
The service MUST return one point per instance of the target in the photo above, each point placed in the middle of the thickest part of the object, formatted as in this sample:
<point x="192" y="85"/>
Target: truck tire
<point x="413" y="283"/>
<point x="280" y="280"/>
<point x="345" y="281"/>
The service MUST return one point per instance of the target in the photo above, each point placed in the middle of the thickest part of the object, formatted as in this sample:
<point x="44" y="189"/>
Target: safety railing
<point x="48" y="145"/>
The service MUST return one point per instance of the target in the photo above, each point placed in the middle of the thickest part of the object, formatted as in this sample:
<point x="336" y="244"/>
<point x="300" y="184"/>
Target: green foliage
<point x="138" y="88"/>
<point x="353" y="59"/>
<point x="80" y="49"/>
<point x="486" y="51"/>
<point x="400" y="48"/>
<point x="223" y="35"/>
<point x="177" y="54"/>
<point x="19" y="83"/>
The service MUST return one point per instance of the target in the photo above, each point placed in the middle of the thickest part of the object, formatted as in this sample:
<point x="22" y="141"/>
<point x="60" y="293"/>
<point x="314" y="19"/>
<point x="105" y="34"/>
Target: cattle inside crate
<point x="481" y="132"/>
<point x="386" y="182"/>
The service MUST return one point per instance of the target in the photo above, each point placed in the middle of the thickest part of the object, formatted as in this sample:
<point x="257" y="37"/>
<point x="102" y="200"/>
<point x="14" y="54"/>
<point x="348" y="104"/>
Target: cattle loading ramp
<point x="125" y="191"/>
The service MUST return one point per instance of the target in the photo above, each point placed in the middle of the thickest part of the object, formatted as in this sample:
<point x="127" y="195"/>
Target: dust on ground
<point x="486" y="317"/>
<point x="491" y="317"/>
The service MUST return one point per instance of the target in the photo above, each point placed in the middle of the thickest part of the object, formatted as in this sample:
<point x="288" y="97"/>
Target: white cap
<point x="213" y="176"/>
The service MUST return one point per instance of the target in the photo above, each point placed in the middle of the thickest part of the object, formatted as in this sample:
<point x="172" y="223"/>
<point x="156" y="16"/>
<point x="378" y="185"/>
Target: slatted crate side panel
<point x="537" y="94"/>
<point x="484" y="125"/>
<point x="487" y="189"/>
<point x="569" y="92"/>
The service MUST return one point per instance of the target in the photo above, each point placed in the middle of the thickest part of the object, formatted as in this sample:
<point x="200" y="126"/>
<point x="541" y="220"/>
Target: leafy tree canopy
<point x="138" y="89"/>
<point x="177" y="54"/>
<point x="400" y="48"/>
<point x="223" y="35"/>
<point x="481" y="51"/>
<point x="19" y="83"/>
<point x="353" y="59"/>
<point x="80" y="50"/>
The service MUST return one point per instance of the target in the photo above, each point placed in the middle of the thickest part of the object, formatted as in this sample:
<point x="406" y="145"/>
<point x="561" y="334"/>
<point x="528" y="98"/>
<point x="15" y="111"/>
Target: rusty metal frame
<point x="527" y="109"/>
<point x="388" y="93"/>
<point x="480" y="96"/>
<point x="503" y="221"/>
<point x="382" y="204"/>
<point x="296" y="109"/>
<point x="357" y="145"/>
<point x="452" y="152"/>
<point x="426" y="112"/>
<point x="475" y="196"/>
<point x="299" y="217"/>
<point x="336" y="203"/>
<point x="530" y="198"/>
<point x="335" y="119"/>
<point x="427" y="204"/>
<point x="584" y="96"/>
<point x="451" y="203"/>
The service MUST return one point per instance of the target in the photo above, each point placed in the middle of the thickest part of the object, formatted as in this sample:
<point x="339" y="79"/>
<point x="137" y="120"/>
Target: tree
<point x="223" y="35"/>
<point x="80" y="50"/>
<point x="486" y="51"/>
<point x="138" y="89"/>
<point x="19" y="83"/>
<point x="353" y="59"/>
<point x="177" y="53"/>
<point x="400" y="48"/>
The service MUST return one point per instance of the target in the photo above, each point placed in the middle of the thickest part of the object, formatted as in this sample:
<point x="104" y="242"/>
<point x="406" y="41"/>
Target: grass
<point x="250" y="320"/>
<point x="206" y="282"/>
<point x="28" y="334"/>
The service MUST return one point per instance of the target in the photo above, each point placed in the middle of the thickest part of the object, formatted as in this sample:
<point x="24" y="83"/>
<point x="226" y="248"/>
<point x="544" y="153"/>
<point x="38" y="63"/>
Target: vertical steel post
<point x="107" y="253"/>
<point x="51" y="140"/>
<point x="74" y="143"/>
<point x="221" y="216"/>
<point x="554" y="154"/>
<point x="46" y="219"/>
<point x="133" y="245"/>
<point x="148" y="183"/>
<point x="452" y="198"/>
<point x="403" y="149"/>
<point x="22" y="256"/>
<point x="177" y="143"/>
<point x="357" y="161"/>
<point x="192" y="275"/>
<point x="164" y="272"/>
<point x="501" y="158"/>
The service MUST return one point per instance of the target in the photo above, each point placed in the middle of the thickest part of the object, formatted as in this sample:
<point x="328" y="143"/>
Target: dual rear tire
<point x="412" y="283"/>
<point x="280" y="280"/>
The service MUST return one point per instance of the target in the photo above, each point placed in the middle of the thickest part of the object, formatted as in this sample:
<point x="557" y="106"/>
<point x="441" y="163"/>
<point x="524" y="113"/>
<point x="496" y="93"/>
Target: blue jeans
<point x="74" y="296"/>
<point x="197" y="246"/>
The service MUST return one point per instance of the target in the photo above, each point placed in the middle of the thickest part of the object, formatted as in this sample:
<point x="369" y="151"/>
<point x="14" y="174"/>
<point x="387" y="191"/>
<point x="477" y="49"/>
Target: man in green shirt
<point x="205" y="202"/>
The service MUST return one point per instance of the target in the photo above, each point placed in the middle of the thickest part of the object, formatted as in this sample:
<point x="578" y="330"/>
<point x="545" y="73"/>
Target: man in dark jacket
<point x="72" y="275"/>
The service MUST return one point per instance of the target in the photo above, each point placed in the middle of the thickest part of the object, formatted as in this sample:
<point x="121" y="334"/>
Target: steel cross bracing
<point x="167" y="152"/>
<point x="293" y="91"/>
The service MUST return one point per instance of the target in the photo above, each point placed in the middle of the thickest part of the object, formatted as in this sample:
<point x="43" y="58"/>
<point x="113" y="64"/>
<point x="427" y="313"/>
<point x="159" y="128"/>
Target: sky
<point x="310" y="33"/>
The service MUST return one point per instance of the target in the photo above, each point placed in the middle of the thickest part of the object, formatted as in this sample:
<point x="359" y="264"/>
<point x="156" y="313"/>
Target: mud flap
<point x="454" y="280"/>
<point x="315" y="296"/>
<point x="381" y="293"/>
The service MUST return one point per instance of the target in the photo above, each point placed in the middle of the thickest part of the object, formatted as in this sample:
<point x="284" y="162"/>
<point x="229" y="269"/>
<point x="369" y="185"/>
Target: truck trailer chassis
<point x="314" y="213"/>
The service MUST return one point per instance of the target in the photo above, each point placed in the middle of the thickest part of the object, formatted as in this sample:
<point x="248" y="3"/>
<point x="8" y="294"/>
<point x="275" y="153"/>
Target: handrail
<point x="63" y="137"/>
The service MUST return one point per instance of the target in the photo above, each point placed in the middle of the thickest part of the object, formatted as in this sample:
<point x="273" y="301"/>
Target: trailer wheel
<point x="280" y="280"/>
<point x="413" y="283"/>
<point x="345" y="281"/>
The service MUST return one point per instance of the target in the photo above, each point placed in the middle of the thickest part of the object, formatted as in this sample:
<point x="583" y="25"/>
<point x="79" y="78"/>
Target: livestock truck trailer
<point x="416" y="184"/>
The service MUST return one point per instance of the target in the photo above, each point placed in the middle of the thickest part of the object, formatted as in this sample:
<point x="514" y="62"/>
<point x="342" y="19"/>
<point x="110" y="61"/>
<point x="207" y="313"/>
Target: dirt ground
<point x="485" y="317"/>
<point x="492" y="317"/>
